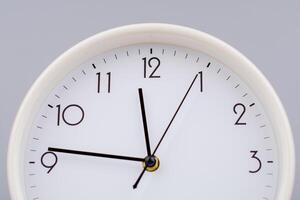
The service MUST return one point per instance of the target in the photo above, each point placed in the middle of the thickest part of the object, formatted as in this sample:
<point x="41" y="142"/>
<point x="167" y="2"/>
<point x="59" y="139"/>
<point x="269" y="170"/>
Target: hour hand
<point x="86" y="153"/>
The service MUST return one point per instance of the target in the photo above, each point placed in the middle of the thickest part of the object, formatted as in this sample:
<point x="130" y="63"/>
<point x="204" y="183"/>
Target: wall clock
<point x="151" y="111"/>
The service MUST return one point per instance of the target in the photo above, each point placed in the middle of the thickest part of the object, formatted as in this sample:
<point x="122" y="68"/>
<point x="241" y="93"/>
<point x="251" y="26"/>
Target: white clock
<point x="151" y="111"/>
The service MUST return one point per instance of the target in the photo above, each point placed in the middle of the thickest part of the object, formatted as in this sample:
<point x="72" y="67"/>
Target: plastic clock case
<point x="161" y="34"/>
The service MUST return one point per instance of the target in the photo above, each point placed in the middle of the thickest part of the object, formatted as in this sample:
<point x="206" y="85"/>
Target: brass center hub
<point x="151" y="163"/>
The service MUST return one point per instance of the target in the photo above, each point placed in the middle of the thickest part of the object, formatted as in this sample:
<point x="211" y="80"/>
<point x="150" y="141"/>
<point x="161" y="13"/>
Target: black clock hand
<point x="139" y="178"/>
<point x="144" y="121"/>
<point x="165" y="132"/>
<point x="85" y="153"/>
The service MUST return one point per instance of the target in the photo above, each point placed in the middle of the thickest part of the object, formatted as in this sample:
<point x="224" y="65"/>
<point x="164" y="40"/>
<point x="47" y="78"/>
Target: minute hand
<point x="164" y="134"/>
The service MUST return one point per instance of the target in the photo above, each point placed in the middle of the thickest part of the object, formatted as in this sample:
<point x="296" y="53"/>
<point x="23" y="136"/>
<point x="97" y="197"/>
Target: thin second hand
<point x="139" y="178"/>
<point x="164" y="134"/>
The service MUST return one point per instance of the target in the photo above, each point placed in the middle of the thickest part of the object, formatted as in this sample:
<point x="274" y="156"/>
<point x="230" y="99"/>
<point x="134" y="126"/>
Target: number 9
<point x="45" y="161"/>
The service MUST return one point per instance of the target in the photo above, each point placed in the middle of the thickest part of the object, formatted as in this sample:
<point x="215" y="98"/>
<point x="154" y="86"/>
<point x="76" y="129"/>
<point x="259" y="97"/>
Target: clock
<point x="151" y="111"/>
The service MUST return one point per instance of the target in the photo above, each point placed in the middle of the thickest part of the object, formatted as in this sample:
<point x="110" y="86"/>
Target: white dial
<point x="150" y="120"/>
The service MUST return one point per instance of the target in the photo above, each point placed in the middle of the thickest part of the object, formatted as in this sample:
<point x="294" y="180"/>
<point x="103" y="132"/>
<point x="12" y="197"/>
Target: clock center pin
<point x="152" y="163"/>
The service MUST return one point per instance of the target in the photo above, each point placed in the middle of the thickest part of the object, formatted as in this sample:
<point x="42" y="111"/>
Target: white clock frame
<point x="162" y="34"/>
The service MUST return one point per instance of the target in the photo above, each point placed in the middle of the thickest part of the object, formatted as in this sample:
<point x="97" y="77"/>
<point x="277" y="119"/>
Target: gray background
<point x="34" y="33"/>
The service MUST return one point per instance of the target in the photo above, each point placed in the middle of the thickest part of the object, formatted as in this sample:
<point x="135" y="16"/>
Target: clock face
<point x="151" y="121"/>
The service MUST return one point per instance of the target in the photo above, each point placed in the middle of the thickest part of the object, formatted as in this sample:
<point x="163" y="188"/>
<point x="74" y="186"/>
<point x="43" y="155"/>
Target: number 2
<point x="241" y="115"/>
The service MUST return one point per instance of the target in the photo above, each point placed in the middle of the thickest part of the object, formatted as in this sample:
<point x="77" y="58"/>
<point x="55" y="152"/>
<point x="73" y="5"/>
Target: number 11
<point x="99" y="81"/>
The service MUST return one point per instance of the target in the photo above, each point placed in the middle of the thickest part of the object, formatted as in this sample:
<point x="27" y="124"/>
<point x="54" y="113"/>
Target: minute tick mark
<point x="245" y="94"/>
<point x="268" y="186"/>
<point x="208" y="64"/>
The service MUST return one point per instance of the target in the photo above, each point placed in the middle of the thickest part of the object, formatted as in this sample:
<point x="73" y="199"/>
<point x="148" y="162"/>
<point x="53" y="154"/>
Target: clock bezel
<point x="162" y="34"/>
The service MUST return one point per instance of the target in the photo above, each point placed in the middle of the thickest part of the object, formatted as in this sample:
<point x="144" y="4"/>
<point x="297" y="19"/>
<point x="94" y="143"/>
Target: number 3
<point x="258" y="160"/>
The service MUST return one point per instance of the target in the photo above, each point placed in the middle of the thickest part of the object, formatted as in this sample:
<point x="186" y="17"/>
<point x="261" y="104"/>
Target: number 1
<point x="201" y="80"/>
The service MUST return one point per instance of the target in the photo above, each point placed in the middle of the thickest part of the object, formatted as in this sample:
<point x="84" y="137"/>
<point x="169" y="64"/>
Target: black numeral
<point x="99" y="81"/>
<point x="49" y="160"/>
<point x="62" y="115"/>
<point x="152" y="63"/>
<point x="258" y="161"/>
<point x="243" y="110"/>
<point x="201" y="80"/>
